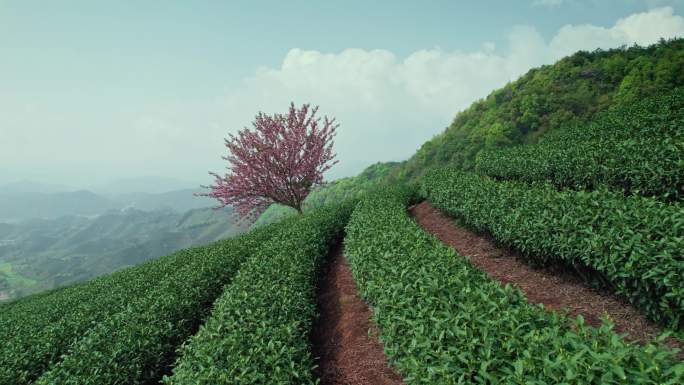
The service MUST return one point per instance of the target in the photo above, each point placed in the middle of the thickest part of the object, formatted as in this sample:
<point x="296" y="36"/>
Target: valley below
<point x="43" y="254"/>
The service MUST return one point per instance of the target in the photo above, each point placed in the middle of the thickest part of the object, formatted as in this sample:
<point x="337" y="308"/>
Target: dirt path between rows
<point x="347" y="354"/>
<point x="555" y="291"/>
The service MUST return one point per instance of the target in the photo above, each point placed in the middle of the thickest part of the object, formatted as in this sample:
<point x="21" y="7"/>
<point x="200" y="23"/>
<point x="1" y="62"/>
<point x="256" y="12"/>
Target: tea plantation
<point x="637" y="148"/>
<point x="631" y="244"/>
<point x="593" y="185"/>
<point x="445" y="322"/>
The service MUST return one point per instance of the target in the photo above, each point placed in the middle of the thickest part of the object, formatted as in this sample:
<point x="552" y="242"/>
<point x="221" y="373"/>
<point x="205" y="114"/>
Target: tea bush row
<point x="651" y="167"/>
<point x="258" y="331"/>
<point x="653" y="117"/>
<point x="137" y="344"/>
<point x="38" y="330"/>
<point x="632" y="244"/>
<point x="442" y="321"/>
<point x="634" y="148"/>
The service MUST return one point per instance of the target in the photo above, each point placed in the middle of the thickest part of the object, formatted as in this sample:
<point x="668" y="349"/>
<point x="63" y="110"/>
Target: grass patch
<point x="15" y="279"/>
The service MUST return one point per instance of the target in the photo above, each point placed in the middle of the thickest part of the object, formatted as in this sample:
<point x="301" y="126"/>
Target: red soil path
<point x="555" y="291"/>
<point x="348" y="355"/>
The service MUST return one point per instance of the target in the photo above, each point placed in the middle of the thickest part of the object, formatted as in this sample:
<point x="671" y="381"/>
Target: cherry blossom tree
<point x="278" y="161"/>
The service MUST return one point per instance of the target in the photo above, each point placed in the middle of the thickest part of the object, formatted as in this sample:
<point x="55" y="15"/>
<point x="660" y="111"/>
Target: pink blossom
<point x="278" y="161"/>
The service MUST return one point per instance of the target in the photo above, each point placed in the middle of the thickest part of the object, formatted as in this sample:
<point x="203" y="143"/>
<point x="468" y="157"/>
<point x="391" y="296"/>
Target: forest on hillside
<point x="551" y="98"/>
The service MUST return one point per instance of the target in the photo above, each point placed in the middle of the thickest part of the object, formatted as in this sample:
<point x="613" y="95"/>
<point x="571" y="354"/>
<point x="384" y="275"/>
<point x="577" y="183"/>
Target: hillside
<point x="42" y="254"/>
<point x="569" y="95"/>
<point x="17" y="206"/>
<point x="550" y="98"/>
<point x="180" y="200"/>
<point x="29" y="200"/>
<point x="538" y="241"/>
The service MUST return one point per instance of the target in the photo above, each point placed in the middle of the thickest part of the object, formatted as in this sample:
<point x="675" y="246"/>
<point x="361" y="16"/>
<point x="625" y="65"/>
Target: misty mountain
<point x="24" y="186"/>
<point x="42" y="254"/>
<point x="178" y="200"/>
<point x="17" y="206"/>
<point x="50" y="238"/>
<point x="147" y="184"/>
<point x="18" y="203"/>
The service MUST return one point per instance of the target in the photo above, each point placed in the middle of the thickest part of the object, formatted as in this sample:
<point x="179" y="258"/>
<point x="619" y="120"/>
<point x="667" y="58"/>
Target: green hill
<point x="551" y="98"/>
<point x="579" y="93"/>
<point x="581" y="165"/>
<point x="576" y="166"/>
<point x="43" y="254"/>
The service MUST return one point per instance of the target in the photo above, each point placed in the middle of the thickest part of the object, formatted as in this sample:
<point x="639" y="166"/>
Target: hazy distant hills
<point x="28" y="200"/>
<point x="147" y="184"/>
<point x="31" y="186"/>
<point x="44" y="253"/>
<point x="50" y="236"/>
<point x="18" y="206"/>
<point x="178" y="200"/>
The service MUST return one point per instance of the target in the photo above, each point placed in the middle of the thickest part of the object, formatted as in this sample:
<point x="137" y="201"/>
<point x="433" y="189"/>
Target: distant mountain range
<point x="177" y="200"/>
<point x="52" y="236"/>
<point x="27" y="200"/>
<point x="147" y="184"/>
<point x="42" y="254"/>
<point x="19" y="206"/>
<point x="31" y="186"/>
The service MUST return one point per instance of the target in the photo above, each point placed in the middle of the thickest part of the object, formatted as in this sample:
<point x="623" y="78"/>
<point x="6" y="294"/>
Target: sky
<point x="93" y="91"/>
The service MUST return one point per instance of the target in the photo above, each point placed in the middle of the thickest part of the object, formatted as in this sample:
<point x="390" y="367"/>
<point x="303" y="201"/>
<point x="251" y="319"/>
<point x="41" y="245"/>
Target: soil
<point x="344" y="337"/>
<point x="556" y="291"/>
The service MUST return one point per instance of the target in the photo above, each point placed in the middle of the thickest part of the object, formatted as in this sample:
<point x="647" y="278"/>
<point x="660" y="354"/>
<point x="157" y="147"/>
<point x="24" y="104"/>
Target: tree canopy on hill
<point x="548" y="98"/>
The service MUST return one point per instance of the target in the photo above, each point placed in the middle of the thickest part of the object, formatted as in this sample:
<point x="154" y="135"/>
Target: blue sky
<point x="96" y="90"/>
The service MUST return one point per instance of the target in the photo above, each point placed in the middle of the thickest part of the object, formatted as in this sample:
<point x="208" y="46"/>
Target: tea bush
<point x="635" y="149"/>
<point x="633" y="244"/>
<point x="38" y="330"/>
<point x="443" y="321"/>
<point x="136" y="344"/>
<point x="258" y="331"/>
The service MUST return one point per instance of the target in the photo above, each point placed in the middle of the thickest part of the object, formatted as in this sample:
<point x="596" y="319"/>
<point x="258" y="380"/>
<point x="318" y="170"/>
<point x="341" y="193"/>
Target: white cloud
<point x="640" y="28"/>
<point x="647" y="27"/>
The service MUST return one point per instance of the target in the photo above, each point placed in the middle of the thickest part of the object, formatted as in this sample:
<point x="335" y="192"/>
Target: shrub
<point x="442" y="321"/>
<point x="134" y="340"/>
<point x="258" y="331"/>
<point x="632" y="243"/>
